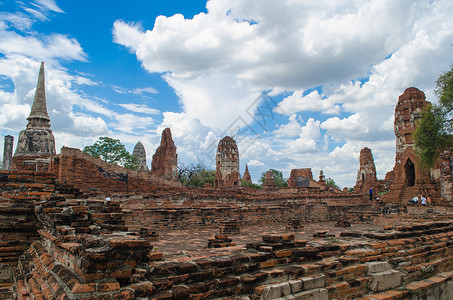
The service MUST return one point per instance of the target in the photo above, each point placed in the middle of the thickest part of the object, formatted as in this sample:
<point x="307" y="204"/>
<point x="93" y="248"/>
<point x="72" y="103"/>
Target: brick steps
<point x="437" y="287"/>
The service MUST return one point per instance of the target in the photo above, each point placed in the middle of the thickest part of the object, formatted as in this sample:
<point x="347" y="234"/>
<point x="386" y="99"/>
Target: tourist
<point x="371" y="194"/>
<point x="428" y="200"/>
<point x="423" y="200"/>
<point x="414" y="200"/>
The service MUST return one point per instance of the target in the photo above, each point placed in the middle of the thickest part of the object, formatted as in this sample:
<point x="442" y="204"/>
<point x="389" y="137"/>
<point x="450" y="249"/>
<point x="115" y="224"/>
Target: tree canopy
<point x="112" y="151"/>
<point x="195" y="175"/>
<point x="330" y="182"/>
<point x="435" y="127"/>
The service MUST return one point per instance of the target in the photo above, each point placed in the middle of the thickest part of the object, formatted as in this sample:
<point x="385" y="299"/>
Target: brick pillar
<point x="8" y="153"/>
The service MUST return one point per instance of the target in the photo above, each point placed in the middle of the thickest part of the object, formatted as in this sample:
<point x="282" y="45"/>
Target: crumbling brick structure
<point x="140" y="155"/>
<point x="300" y="178"/>
<point x="85" y="252"/>
<point x="366" y="175"/>
<point x="165" y="160"/>
<point x="36" y="144"/>
<point x="247" y="178"/>
<point x="227" y="164"/>
<point x="269" y="181"/>
<point x="89" y="174"/>
<point x="408" y="178"/>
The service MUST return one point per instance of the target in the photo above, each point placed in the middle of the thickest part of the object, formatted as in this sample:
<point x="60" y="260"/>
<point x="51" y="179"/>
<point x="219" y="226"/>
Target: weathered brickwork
<point x="90" y="248"/>
<point x="165" y="160"/>
<point x="246" y="177"/>
<point x="366" y="175"/>
<point x="36" y="144"/>
<point x="227" y="164"/>
<point x="408" y="178"/>
<point x="182" y="213"/>
<point x="78" y="169"/>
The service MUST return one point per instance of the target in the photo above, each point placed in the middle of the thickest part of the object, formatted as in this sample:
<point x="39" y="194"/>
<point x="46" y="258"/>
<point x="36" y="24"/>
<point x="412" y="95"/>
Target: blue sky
<point x="298" y="84"/>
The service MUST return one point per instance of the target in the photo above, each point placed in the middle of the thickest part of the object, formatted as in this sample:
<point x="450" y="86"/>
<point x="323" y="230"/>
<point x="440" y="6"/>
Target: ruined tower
<point x="322" y="178"/>
<point x="269" y="181"/>
<point x="407" y="177"/>
<point x="227" y="164"/>
<point x="8" y="153"/>
<point x="247" y="178"/>
<point x="36" y="143"/>
<point x="300" y="178"/>
<point x="140" y="154"/>
<point x="366" y="175"/>
<point x="165" y="160"/>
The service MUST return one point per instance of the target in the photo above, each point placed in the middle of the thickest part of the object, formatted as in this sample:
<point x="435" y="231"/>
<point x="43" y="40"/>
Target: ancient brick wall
<point x="89" y="174"/>
<point x="183" y="213"/>
<point x="85" y="252"/>
<point x="18" y="223"/>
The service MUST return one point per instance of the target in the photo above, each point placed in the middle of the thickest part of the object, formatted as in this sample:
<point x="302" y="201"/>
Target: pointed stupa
<point x="38" y="115"/>
<point x="140" y="154"/>
<point x="247" y="178"/>
<point x="37" y="139"/>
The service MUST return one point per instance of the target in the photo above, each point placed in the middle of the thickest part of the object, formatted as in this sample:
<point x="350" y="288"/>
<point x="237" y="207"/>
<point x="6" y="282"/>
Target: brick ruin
<point x="36" y="144"/>
<point x="366" y="175"/>
<point x="227" y="164"/>
<point x="304" y="178"/>
<point x="64" y="244"/>
<point x="140" y="154"/>
<point x="165" y="160"/>
<point x="246" y="177"/>
<point x="408" y="178"/>
<point x="85" y="229"/>
<point x="269" y="181"/>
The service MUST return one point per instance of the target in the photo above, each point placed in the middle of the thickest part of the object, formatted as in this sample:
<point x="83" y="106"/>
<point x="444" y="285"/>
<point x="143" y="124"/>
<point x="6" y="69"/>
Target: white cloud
<point x="50" y="5"/>
<point x="359" y="55"/>
<point x="140" y="108"/>
<point x="195" y="142"/>
<point x="292" y="129"/>
<point x="136" y="91"/>
<point x="218" y="100"/>
<point x="130" y="123"/>
<point x="313" y="101"/>
<point x="128" y="34"/>
<point x="254" y="162"/>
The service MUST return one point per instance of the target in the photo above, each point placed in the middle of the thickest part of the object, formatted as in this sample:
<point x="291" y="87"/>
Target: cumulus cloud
<point x="292" y="129"/>
<point x="218" y="100"/>
<point x="313" y="101"/>
<point x="355" y="57"/>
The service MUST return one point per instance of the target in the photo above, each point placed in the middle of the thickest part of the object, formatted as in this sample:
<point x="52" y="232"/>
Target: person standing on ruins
<point x="371" y="194"/>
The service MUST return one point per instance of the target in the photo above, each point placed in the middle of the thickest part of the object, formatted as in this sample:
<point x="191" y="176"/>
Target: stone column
<point x="8" y="153"/>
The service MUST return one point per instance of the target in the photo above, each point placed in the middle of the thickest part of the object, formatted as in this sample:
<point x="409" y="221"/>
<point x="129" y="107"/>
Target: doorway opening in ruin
<point x="409" y="170"/>
<point x="363" y="179"/>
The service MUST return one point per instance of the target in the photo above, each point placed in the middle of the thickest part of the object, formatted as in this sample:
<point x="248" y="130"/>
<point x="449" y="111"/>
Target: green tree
<point x="435" y="127"/>
<point x="252" y="185"/>
<point x="330" y="182"/>
<point x="280" y="181"/>
<point x="112" y="151"/>
<point x="205" y="176"/>
<point x="195" y="175"/>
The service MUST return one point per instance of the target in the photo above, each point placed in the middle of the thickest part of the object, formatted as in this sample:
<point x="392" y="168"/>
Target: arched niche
<point x="409" y="172"/>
